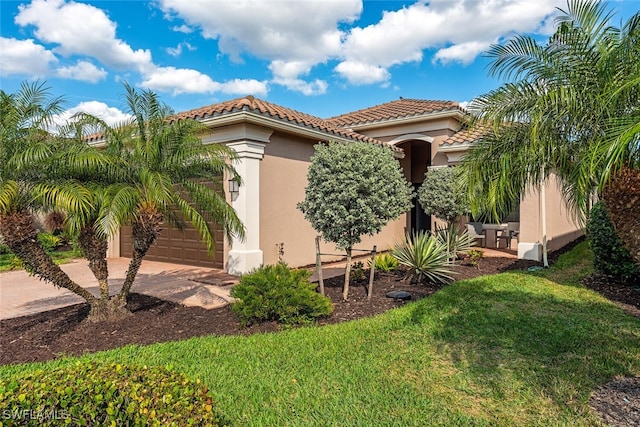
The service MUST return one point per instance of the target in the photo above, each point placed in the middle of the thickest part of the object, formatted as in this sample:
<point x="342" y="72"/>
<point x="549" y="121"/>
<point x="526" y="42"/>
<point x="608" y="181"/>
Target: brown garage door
<point x="180" y="247"/>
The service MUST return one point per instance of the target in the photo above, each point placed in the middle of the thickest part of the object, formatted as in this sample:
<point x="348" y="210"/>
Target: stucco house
<point x="274" y="146"/>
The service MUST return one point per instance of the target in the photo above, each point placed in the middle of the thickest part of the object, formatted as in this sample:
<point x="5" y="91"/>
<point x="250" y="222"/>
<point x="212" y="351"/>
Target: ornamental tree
<point x="353" y="189"/>
<point x="442" y="195"/>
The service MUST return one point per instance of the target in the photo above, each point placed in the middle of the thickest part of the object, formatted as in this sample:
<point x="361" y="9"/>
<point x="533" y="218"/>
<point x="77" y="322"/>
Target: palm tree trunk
<point x="94" y="249"/>
<point x="622" y="197"/>
<point x="20" y="234"/>
<point x="145" y="231"/>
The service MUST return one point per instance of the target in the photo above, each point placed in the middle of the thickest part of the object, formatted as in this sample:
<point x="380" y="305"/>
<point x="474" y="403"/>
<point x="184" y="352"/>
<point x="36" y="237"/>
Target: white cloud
<point x="81" y="29"/>
<point x="244" y="87"/>
<point x="24" y="57"/>
<point x="182" y="29"/>
<point x="315" y="87"/>
<point x="293" y="35"/>
<point x="464" y="53"/>
<point x="182" y="80"/>
<point x="459" y="30"/>
<point x="111" y="115"/>
<point x="358" y="73"/>
<point x="84" y="71"/>
<point x="177" y="51"/>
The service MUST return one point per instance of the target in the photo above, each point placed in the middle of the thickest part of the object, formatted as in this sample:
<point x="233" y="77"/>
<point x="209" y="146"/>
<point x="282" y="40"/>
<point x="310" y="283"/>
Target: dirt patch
<point x="55" y="333"/>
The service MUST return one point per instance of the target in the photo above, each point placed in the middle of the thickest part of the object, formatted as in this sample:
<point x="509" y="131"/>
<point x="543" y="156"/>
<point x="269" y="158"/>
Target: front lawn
<point x="507" y="349"/>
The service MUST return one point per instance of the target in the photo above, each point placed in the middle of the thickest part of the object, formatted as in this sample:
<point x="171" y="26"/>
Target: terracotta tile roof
<point x="465" y="136"/>
<point x="401" y="108"/>
<point x="264" y="108"/>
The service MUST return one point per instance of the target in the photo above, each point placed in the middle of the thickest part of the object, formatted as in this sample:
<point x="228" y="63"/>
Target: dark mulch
<point x="55" y="333"/>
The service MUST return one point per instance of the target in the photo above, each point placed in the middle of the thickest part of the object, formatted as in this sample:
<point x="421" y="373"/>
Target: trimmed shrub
<point x="610" y="257"/>
<point x="276" y="292"/>
<point x="92" y="393"/>
<point x="442" y="195"/>
<point x="425" y="256"/>
<point x="385" y="262"/>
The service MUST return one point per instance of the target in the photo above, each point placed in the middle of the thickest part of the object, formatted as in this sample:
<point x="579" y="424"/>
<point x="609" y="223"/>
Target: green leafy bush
<point x="92" y="393"/>
<point x="443" y="195"/>
<point x="276" y="292"/>
<point x="49" y="242"/>
<point x="4" y="249"/>
<point x="385" y="262"/>
<point x="357" y="271"/>
<point x="455" y="239"/>
<point x="475" y="255"/>
<point x="425" y="256"/>
<point x="610" y="257"/>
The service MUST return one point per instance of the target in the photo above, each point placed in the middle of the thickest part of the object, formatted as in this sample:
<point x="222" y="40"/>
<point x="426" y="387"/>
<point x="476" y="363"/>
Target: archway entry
<point x="417" y="158"/>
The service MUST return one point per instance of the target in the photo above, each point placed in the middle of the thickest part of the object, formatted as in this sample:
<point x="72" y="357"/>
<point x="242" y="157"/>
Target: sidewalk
<point x="21" y="294"/>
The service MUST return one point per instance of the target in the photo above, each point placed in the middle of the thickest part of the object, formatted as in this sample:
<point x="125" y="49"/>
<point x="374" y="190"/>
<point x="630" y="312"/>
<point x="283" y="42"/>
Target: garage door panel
<point x="180" y="247"/>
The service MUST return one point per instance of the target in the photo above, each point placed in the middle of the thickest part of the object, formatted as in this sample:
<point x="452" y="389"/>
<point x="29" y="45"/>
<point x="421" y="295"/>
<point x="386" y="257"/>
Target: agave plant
<point x="455" y="239"/>
<point x="425" y="256"/>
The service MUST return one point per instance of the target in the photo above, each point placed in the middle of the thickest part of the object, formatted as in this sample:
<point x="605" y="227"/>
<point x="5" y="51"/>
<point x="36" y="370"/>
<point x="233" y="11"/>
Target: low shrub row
<point x="93" y="393"/>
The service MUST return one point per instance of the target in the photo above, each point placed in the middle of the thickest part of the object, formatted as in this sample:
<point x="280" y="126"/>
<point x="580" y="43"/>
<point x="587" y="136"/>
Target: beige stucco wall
<point x="562" y="225"/>
<point x="283" y="177"/>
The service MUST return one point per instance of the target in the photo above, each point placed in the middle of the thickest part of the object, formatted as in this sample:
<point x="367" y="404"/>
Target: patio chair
<point x="476" y="232"/>
<point x="512" y="232"/>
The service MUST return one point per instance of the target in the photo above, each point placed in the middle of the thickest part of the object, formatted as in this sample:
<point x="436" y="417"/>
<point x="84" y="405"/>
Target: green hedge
<point x="276" y="292"/>
<point x="610" y="257"/>
<point x="106" y="394"/>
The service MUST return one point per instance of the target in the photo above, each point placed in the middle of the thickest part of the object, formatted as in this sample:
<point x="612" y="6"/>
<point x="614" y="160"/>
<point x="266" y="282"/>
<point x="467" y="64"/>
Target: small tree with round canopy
<point x="354" y="189"/>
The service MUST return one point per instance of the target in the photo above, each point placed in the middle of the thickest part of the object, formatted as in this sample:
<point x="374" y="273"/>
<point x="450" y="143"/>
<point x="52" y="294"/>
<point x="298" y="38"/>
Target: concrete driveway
<point x="21" y="294"/>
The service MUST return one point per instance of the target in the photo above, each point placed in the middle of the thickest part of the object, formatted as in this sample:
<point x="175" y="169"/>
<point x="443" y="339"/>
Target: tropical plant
<point x="455" y="239"/>
<point x="443" y="195"/>
<point x="354" y="190"/>
<point x="609" y="255"/>
<point x="29" y="180"/>
<point x="385" y="262"/>
<point x="425" y="257"/>
<point x="570" y="108"/>
<point x="475" y="255"/>
<point x="276" y="292"/>
<point x="152" y="170"/>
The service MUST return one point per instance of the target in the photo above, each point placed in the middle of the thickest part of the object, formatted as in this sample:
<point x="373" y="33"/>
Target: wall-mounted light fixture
<point x="234" y="187"/>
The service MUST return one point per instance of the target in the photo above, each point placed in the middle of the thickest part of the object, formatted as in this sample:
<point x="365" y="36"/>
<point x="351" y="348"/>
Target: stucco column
<point x="246" y="255"/>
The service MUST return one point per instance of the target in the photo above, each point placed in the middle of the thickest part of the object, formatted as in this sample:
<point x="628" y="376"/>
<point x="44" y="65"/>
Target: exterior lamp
<point x="234" y="186"/>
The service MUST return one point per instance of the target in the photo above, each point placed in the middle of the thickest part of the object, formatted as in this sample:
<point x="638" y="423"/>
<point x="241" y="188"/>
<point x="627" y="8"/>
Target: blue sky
<point x="324" y="57"/>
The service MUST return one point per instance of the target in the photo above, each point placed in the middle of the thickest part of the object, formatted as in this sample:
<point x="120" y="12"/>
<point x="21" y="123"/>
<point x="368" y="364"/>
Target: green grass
<point x="9" y="262"/>
<point x="503" y="350"/>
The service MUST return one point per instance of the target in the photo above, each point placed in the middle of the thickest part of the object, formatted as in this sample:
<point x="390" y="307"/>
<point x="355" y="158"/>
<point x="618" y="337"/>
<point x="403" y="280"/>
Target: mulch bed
<point x="63" y="331"/>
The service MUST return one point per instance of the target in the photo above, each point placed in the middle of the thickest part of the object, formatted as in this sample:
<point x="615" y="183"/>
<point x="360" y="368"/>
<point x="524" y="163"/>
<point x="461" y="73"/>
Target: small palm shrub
<point x="92" y="393"/>
<point x="276" y="292"/>
<point x="610" y="257"/>
<point x="455" y="239"/>
<point x="425" y="257"/>
<point x="49" y="241"/>
<point x="54" y="222"/>
<point x="385" y="262"/>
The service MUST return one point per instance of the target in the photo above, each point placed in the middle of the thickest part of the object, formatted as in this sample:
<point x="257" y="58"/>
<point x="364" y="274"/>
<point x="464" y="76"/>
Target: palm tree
<point x="152" y="170"/>
<point x="26" y="187"/>
<point x="571" y="107"/>
<point x="163" y="173"/>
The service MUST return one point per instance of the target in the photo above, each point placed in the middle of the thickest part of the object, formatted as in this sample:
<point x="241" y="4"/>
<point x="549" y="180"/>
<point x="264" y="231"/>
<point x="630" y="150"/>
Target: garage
<point x="179" y="247"/>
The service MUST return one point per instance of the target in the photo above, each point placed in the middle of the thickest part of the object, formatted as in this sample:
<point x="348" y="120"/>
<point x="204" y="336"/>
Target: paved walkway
<point x="21" y="294"/>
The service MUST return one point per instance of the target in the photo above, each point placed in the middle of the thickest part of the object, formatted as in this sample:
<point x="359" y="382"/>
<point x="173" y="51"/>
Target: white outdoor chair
<point x="476" y="232"/>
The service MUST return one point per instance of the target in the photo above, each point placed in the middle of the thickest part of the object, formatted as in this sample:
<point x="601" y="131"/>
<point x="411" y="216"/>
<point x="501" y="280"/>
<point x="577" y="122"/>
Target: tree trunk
<point x="94" y="249"/>
<point x="347" y="277"/>
<point x="622" y="197"/>
<point x="109" y="309"/>
<point x="20" y="234"/>
<point x="145" y="231"/>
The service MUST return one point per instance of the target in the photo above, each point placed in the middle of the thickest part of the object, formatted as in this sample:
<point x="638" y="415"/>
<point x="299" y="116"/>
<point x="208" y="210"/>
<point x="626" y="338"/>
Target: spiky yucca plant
<point x="425" y="256"/>
<point x="455" y="239"/>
